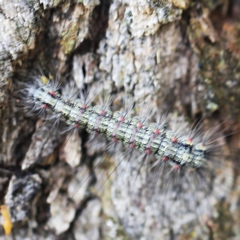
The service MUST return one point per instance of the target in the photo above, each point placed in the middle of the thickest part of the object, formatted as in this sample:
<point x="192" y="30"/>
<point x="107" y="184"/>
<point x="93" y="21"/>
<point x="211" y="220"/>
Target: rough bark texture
<point x="181" y="55"/>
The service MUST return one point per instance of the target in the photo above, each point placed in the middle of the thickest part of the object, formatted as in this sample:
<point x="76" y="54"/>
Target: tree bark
<point x="176" y="56"/>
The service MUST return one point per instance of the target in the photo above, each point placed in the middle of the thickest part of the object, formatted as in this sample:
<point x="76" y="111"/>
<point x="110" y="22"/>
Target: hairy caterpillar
<point x="187" y="149"/>
<point x="184" y="157"/>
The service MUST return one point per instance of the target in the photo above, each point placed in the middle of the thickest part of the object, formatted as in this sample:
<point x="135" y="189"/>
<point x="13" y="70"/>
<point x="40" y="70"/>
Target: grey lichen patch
<point x="21" y="195"/>
<point x="17" y="31"/>
<point x="145" y="17"/>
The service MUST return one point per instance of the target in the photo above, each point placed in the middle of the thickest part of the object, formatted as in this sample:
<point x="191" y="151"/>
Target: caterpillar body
<point x="180" y="149"/>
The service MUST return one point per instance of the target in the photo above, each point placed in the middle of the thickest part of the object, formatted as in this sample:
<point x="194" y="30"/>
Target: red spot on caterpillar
<point x="84" y="106"/>
<point x="115" y="139"/>
<point x="44" y="106"/>
<point x="189" y="141"/>
<point x="174" y="140"/>
<point x="148" y="151"/>
<point x="156" y="131"/>
<point x="103" y="112"/>
<point x="52" y="93"/>
<point x="121" y="119"/>
<point x="139" y="125"/>
<point x="165" y="158"/>
<point x="76" y="125"/>
<point x="132" y="145"/>
<point x="176" y="167"/>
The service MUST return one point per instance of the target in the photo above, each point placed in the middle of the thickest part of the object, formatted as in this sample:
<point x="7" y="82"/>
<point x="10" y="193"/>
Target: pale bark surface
<point x="180" y="56"/>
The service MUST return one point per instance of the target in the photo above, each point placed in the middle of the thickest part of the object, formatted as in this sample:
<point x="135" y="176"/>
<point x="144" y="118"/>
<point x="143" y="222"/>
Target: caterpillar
<point x="183" y="156"/>
<point x="187" y="149"/>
